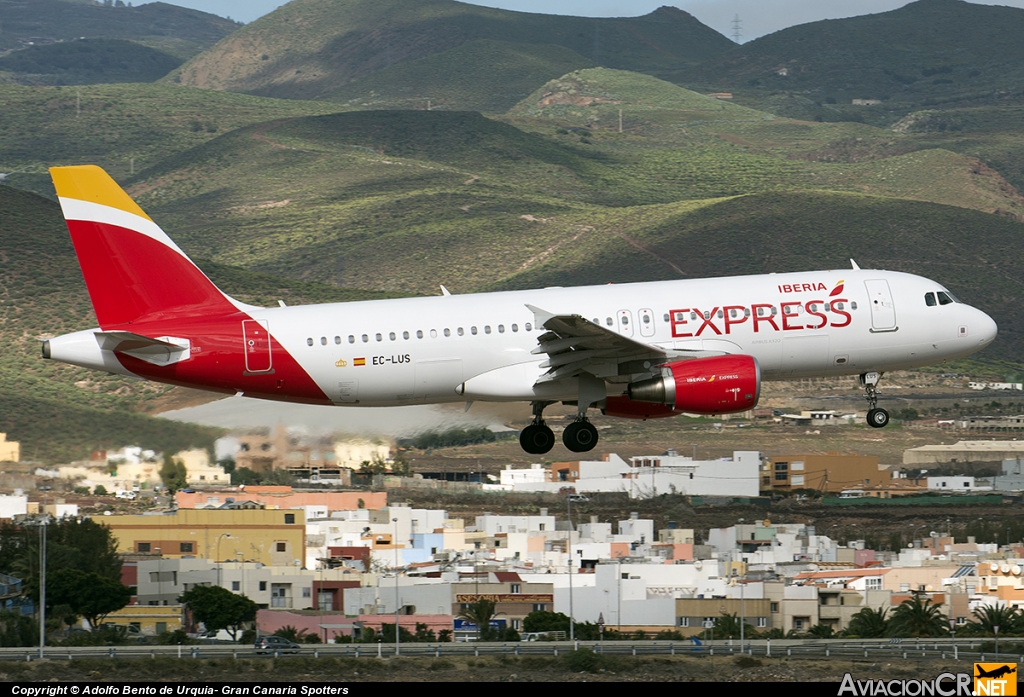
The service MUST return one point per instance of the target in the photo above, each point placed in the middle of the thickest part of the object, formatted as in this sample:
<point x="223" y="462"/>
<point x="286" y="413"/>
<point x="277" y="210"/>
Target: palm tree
<point x="728" y="626"/>
<point x="868" y="623"/>
<point x="917" y="617"/>
<point x="1008" y="619"/>
<point x="480" y="613"/>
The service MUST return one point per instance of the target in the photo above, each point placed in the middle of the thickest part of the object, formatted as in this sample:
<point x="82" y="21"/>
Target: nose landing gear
<point x="877" y="418"/>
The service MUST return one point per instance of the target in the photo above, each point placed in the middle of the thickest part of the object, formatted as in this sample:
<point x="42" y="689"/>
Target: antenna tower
<point x="736" y="24"/>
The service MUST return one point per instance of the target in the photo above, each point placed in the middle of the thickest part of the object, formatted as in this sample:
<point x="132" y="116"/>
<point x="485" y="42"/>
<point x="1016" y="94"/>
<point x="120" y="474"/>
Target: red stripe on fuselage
<point x="217" y="361"/>
<point x="130" y="276"/>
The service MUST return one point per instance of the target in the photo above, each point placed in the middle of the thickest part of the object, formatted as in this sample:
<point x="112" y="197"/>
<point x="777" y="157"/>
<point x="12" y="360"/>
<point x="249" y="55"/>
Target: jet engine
<point x="716" y="385"/>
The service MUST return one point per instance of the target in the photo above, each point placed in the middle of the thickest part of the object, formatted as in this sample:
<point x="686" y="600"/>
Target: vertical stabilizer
<point x="132" y="269"/>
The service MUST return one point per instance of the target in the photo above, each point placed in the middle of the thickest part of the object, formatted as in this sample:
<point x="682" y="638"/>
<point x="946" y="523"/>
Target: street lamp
<point x="398" y="633"/>
<point x="219" y="538"/>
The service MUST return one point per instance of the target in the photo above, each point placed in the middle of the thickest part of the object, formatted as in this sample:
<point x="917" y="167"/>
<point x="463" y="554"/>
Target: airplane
<point x="636" y="350"/>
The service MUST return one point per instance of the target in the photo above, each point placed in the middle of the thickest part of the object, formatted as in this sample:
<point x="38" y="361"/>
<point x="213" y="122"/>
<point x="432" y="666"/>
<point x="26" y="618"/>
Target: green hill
<point x="108" y="125"/>
<point x="88" y="61"/>
<point x="928" y="52"/>
<point x="60" y="412"/>
<point x="176" y="30"/>
<point x="308" y="48"/>
<point x="484" y="75"/>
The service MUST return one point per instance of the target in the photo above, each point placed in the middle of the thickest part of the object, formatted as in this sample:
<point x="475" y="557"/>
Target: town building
<point x="828" y="473"/>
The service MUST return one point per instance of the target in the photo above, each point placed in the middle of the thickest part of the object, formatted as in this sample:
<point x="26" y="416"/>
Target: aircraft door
<point x="625" y="322"/>
<point x="646" y="320"/>
<point x="256" y="339"/>
<point x="883" y="311"/>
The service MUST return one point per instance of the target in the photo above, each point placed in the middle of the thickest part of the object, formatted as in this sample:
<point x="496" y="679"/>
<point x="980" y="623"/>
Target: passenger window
<point x="365" y="338"/>
<point x="853" y="305"/>
<point x="732" y="314"/>
<point x="487" y="329"/>
<point x="379" y="337"/>
<point x="447" y="332"/>
<point x="707" y="315"/>
<point x="501" y="328"/>
<point x="337" y="339"/>
<point x="472" y="330"/>
<point x="693" y="315"/>
<point x="461" y="331"/>
<point x="760" y="311"/>
<point x="625" y="319"/>
<point x="608" y="321"/>
<point x="405" y="335"/>
<point x="309" y="341"/>
<point x="392" y="336"/>
<point x="323" y="341"/>
<point x="515" y="327"/>
<point x="666" y="317"/>
<point x="597" y="321"/>
<point x="774" y="311"/>
<point x="351" y="338"/>
<point x="746" y="312"/>
<point x="720" y="314"/>
<point x="419" y="333"/>
<point x="944" y="299"/>
<point x="433" y="333"/>
<point x="529" y="327"/>
<point x="929" y="299"/>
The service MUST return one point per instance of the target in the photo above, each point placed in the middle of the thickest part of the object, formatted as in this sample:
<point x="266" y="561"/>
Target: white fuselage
<point x="478" y="347"/>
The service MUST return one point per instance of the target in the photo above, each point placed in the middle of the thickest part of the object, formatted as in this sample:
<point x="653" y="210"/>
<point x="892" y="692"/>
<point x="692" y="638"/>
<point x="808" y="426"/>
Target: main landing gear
<point x="537" y="438"/>
<point x="877" y="418"/>
<point x="580" y="436"/>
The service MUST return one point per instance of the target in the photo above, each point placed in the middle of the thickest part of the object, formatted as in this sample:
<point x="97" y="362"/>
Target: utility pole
<point x="736" y="24"/>
<point x="42" y="588"/>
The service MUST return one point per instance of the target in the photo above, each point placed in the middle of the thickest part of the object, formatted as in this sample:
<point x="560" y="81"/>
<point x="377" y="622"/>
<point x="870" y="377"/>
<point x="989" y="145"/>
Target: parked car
<point x="269" y="644"/>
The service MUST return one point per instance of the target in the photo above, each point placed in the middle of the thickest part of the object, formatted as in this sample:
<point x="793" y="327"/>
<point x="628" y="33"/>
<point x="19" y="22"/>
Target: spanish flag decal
<point x="358" y="361"/>
<point x="837" y="290"/>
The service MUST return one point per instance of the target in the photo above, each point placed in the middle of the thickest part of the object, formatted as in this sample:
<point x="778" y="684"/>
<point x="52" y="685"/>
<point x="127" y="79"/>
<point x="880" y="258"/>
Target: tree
<point x="480" y="613"/>
<point x="917" y="617"/>
<point x="87" y="594"/>
<point x="727" y="626"/>
<point x="1008" y="619"/>
<point x="218" y="608"/>
<point x="400" y="467"/>
<point x="822" y="631"/>
<point x="868" y="624"/>
<point x="173" y="474"/>
<point x="545" y="621"/>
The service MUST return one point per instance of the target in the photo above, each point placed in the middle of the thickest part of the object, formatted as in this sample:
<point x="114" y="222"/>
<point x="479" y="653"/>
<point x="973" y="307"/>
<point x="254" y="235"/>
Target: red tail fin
<point x="132" y="268"/>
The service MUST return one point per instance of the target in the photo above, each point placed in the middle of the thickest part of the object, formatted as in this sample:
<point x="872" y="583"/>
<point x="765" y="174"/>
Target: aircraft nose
<point x="984" y="328"/>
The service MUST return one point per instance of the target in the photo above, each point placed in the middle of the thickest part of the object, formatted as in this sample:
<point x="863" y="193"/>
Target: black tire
<point x="537" y="439"/>
<point x="878" y="418"/>
<point x="580" y="436"/>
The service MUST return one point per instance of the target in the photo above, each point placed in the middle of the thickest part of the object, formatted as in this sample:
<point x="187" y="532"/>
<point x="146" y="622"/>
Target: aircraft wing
<point x="576" y="345"/>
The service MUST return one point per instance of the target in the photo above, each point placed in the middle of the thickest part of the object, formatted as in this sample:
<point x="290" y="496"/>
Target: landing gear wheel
<point x="537" y="439"/>
<point x="878" y="418"/>
<point x="580" y="436"/>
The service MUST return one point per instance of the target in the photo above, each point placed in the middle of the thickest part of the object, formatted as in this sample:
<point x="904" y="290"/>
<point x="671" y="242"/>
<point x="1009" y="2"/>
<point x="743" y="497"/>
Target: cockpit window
<point x="929" y="299"/>
<point x="944" y="298"/>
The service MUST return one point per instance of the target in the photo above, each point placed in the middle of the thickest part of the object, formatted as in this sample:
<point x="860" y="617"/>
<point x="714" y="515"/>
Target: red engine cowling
<point x="716" y="385"/>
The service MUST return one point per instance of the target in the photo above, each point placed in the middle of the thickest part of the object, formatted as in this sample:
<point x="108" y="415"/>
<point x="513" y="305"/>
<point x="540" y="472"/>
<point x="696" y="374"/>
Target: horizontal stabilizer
<point x="163" y="350"/>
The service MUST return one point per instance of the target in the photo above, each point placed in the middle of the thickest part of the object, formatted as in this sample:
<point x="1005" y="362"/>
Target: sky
<point x="757" y="17"/>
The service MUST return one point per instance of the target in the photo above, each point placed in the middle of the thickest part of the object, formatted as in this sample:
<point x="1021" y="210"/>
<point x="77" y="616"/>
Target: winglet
<point x="445" y="291"/>
<point x="853" y="264"/>
<point x="540" y="317"/>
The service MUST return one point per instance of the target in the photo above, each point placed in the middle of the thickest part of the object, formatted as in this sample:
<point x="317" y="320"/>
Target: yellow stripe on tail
<point x="92" y="184"/>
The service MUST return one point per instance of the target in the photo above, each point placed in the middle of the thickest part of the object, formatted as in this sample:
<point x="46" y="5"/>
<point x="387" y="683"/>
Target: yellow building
<point x="198" y="468"/>
<point x="10" y="450"/>
<point x="830" y="473"/>
<point x="150" y="620"/>
<point x="274" y="538"/>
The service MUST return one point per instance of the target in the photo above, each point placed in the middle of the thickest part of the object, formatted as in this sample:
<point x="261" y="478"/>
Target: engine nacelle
<point x="716" y="385"/>
<point x="625" y="408"/>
